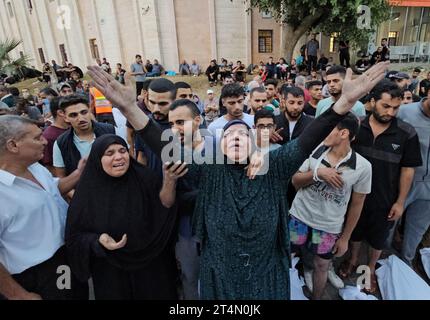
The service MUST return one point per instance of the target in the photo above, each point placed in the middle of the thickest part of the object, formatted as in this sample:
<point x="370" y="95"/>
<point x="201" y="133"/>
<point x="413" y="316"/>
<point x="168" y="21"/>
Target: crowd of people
<point x="155" y="193"/>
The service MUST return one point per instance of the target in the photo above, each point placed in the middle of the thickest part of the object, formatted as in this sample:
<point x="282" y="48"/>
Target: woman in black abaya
<point x="118" y="200"/>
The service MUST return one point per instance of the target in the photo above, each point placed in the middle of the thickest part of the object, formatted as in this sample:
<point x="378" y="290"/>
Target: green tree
<point x="326" y="16"/>
<point x="8" y="65"/>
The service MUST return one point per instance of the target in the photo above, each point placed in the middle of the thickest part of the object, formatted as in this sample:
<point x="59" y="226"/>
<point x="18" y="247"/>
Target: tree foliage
<point x="8" y="65"/>
<point x="333" y="15"/>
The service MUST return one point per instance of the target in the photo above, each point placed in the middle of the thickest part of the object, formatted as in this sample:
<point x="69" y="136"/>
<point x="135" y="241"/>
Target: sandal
<point x="346" y="269"/>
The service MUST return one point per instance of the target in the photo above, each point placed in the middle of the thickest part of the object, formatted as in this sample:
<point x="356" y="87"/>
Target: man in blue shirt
<point x="335" y="78"/>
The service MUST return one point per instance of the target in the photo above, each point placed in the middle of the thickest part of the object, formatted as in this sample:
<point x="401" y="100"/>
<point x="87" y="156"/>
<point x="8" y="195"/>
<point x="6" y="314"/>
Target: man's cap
<point x="210" y="91"/>
<point x="64" y="84"/>
<point x="398" y="76"/>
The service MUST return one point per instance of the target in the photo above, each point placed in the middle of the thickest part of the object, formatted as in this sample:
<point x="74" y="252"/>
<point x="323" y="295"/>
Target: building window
<point x="63" y="53"/>
<point x="9" y="7"/>
<point x="42" y="56"/>
<point x="392" y="38"/>
<point x="266" y="15"/>
<point x="265" y="41"/>
<point x="94" y="49"/>
<point x="333" y="42"/>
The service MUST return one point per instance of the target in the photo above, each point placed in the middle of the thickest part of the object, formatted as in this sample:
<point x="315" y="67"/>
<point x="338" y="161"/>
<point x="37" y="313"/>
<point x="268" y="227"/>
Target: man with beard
<point x="143" y="103"/>
<point x="292" y="122"/>
<point x="257" y="100"/>
<point x="335" y="78"/>
<point x="393" y="149"/>
<point x="161" y="94"/>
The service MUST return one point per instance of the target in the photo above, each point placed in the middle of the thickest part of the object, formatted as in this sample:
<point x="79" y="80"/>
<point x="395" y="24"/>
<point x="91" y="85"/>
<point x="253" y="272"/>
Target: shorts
<point x="318" y="242"/>
<point x="373" y="227"/>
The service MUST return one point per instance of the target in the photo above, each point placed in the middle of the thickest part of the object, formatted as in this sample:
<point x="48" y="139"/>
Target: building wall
<point x="260" y="23"/>
<point x="167" y="34"/>
<point x="231" y="30"/>
<point x="193" y="45"/>
<point x="168" y="30"/>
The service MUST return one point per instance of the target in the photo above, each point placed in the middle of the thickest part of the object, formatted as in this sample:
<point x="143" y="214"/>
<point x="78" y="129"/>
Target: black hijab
<point x="117" y="206"/>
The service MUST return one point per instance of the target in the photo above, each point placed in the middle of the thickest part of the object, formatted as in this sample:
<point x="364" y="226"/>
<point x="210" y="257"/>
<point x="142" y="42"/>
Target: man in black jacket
<point x="76" y="142"/>
<point x="292" y="121"/>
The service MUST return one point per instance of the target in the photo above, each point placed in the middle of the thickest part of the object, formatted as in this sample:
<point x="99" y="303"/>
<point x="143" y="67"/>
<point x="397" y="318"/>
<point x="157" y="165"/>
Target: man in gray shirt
<point x="139" y="72"/>
<point x="311" y="53"/>
<point x="417" y="216"/>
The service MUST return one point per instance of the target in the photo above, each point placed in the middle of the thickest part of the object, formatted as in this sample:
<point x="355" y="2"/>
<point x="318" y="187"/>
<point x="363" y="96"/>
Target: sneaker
<point x="309" y="280"/>
<point x="334" y="279"/>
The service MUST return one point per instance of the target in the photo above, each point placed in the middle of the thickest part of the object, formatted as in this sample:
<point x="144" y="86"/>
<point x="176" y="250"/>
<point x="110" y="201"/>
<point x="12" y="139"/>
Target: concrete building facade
<point x="408" y="30"/>
<point x="80" y="31"/>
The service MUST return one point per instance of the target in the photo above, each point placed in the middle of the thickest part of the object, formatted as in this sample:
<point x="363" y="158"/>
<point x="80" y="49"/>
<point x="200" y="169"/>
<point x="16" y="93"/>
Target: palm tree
<point x="7" y="64"/>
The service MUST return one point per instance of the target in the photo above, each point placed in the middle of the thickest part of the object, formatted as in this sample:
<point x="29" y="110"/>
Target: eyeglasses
<point x="241" y="133"/>
<point x="267" y="126"/>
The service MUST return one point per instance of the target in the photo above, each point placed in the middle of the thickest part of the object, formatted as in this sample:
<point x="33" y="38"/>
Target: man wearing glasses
<point x="265" y="127"/>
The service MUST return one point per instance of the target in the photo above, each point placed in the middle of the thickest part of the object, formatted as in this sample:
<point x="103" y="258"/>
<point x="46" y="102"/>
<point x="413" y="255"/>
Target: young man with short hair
<point x="232" y="97"/>
<point x="332" y="186"/>
<point x="139" y="71"/>
<point x="271" y="86"/>
<point x="265" y="126"/>
<point x="311" y="53"/>
<point x="315" y="90"/>
<point x="76" y="142"/>
<point x="335" y="79"/>
<point x="52" y="133"/>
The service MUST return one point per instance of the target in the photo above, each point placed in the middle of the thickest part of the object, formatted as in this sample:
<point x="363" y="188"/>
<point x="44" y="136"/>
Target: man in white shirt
<point x="332" y="186"/>
<point x="32" y="217"/>
<point x="232" y="97"/>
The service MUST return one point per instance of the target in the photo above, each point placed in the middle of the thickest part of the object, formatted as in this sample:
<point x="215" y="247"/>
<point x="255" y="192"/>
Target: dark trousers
<point x="139" y="87"/>
<point x="312" y="63"/>
<point x="344" y="60"/>
<point x="156" y="281"/>
<point x="42" y="280"/>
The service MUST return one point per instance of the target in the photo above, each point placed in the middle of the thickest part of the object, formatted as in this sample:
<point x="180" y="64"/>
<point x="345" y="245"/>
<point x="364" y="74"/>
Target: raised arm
<point x="352" y="91"/>
<point x="122" y="96"/>
<point x="291" y="155"/>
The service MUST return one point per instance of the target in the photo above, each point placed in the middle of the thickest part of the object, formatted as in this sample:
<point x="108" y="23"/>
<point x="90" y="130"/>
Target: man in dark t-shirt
<point x="53" y="132"/>
<point x="393" y="149"/>
<point x="315" y="90"/>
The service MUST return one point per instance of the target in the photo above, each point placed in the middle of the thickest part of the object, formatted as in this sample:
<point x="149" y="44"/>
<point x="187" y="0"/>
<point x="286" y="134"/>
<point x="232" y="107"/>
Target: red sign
<point x="410" y="3"/>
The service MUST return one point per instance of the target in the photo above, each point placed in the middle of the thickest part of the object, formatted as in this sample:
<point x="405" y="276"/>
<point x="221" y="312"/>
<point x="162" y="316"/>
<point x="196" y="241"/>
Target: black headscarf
<point x="117" y="206"/>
